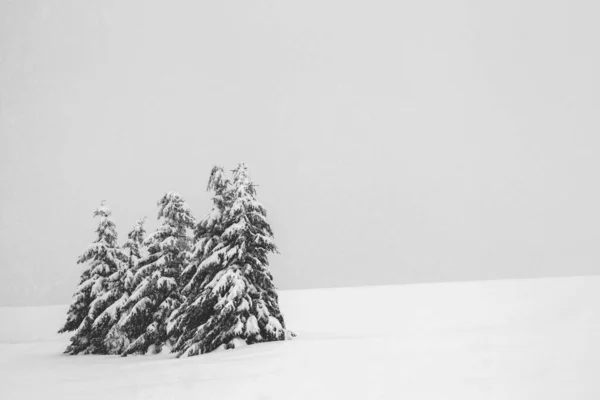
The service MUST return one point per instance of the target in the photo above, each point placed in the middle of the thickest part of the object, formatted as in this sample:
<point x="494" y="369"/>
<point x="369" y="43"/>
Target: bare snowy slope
<point x="521" y="339"/>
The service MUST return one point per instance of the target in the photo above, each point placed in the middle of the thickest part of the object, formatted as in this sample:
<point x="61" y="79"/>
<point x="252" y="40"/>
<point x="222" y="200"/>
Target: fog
<point x="392" y="142"/>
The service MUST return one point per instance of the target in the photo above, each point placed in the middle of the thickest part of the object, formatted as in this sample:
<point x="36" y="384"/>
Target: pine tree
<point x="116" y="339"/>
<point x="94" y="294"/>
<point x="156" y="279"/>
<point x="207" y="238"/>
<point x="134" y="243"/>
<point x="231" y="299"/>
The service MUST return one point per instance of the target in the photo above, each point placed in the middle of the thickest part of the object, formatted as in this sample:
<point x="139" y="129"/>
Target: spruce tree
<point x="207" y="238"/>
<point x="134" y="243"/>
<point x="94" y="294"/>
<point x="232" y="298"/>
<point x="156" y="279"/>
<point x="116" y="340"/>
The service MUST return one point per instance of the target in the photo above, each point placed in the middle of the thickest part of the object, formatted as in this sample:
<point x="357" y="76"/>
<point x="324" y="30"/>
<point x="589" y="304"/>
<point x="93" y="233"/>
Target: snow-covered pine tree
<point x="94" y="293"/>
<point x="236" y="298"/>
<point x="207" y="238"/>
<point x="135" y="238"/>
<point x="116" y="339"/>
<point x="156" y="279"/>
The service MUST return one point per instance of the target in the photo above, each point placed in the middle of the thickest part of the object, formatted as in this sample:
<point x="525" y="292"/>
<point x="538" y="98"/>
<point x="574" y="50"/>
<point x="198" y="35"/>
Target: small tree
<point x="134" y="243"/>
<point x="232" y="299"/>
<point x="156" y="279"/>
<point x="116" y="340"/>
<point x="94" y="292"/>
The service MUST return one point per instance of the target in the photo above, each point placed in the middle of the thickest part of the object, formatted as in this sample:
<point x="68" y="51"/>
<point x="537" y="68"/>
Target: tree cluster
<point x="189" y="287"/>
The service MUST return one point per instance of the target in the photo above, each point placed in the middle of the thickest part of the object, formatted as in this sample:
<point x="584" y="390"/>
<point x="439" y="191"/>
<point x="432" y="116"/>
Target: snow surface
<point x="519" y="339"/>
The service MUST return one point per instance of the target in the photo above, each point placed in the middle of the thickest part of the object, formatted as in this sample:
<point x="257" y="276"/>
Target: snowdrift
<point x="514" y="339"/>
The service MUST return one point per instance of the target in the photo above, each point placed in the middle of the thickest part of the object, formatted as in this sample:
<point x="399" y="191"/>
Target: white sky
<point x="392" y="142"/>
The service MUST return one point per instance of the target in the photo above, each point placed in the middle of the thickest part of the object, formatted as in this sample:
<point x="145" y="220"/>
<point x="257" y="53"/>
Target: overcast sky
<point x="392" y="141"/>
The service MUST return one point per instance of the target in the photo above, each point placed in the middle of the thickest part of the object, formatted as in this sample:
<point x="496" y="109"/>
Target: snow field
<point x="513" y="339"/>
